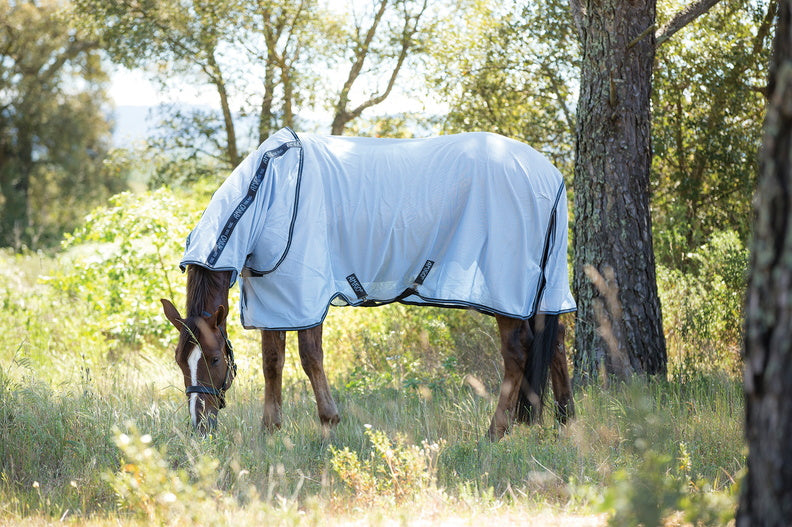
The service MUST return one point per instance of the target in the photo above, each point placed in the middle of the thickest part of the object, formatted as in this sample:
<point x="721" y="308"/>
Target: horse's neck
<point x="206" y="290"/>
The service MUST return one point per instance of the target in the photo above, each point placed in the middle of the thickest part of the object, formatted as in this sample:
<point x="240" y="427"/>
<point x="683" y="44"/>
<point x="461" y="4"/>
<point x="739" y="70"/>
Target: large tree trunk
<point x="613" y="228"/>
<point x="767" y="489"/>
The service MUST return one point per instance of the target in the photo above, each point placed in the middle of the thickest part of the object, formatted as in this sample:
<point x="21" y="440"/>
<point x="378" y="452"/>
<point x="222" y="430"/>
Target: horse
<point x="472" y="220"/>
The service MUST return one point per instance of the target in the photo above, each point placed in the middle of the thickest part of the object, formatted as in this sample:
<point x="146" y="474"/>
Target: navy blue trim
<point x="548" y="244"/>
<point x="296" y="202"/>
<point x="427" y="302"/>
<point x="244" y="204"/>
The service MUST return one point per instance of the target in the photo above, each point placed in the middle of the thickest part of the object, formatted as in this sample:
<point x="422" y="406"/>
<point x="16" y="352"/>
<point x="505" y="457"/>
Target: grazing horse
<point x="472" y="220"/>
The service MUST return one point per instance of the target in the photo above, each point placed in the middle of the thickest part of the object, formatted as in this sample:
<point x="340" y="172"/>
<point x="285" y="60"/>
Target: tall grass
<point x="59" y="451"/>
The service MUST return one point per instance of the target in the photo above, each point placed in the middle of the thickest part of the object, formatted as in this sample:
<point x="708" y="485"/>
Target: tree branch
<point x="406" y="42"/>
<point x="684" y="17"/>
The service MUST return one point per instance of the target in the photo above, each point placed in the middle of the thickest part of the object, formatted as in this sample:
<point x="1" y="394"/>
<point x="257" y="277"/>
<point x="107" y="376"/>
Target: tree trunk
<point x="613" y="231"/>
<point x="216" y="74"/>
<point x="767" y="489"/>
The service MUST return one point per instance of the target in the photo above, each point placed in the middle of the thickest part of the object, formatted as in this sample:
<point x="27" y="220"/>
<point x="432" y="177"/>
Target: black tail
<point x="541" y="331"/>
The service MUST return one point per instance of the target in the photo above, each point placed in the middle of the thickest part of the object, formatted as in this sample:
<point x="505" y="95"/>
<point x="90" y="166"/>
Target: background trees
<point x="708" y="101"/>
<point x="268" y="59"/>
<point x="54" y="132"/>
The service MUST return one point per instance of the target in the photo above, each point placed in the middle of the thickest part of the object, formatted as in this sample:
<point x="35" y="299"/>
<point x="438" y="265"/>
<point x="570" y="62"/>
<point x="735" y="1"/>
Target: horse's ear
<point x="172" y="314"/>
<point x="220" y="315"/>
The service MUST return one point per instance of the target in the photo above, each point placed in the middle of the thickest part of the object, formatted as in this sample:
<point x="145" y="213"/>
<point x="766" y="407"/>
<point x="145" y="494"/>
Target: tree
<point x="53" y="130"/>
<point x="767" y="488"/>
<point x="391" y="53"/>
<point x="176" y="38"/>
<point x="708" y="105"/>
<point x="265" y="59"/>
<point x="510" y="69"/>
<point x="613" y="229"/>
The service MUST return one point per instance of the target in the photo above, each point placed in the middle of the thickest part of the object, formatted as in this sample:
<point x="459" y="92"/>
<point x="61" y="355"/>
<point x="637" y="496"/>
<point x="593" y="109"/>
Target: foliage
<point x="708" y="106"/>
<point x="147" y="486"/>
<point x="262" y="59"/>
<point x="510" y="70"/>
<point x="398" y="346"/>
<point x="53" y="130"/>
<point x="658" y="486"/>
<point x="394" y="471"/>
<point x="703" y="309"/>
<point x="122" y="263"/>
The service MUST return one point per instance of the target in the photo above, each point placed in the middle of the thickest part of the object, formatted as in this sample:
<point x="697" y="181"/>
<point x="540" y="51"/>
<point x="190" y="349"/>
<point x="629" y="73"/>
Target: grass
<point x="96" y="432"/>
<point x="60" y="454"/>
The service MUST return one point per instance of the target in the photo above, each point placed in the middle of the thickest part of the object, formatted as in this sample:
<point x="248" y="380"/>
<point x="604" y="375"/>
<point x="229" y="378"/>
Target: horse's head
<point x="206" y="359"/>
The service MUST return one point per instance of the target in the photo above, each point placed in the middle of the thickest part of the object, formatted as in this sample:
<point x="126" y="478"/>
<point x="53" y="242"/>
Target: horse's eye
<point x="215" y="361"/>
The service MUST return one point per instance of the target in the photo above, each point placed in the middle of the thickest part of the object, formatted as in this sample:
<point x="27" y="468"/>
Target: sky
<point x="134" y="88"/>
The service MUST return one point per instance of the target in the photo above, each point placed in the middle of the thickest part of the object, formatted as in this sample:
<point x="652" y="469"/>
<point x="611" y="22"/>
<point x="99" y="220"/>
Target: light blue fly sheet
<point x="472" y="220"/>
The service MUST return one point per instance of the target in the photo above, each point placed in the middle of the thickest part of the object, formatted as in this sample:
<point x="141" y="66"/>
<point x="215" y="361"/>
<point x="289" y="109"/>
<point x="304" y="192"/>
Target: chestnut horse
<point x="472" y="220"/>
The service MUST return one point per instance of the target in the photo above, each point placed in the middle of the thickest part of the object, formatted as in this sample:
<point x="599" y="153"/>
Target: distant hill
<point x="132" y="124"/>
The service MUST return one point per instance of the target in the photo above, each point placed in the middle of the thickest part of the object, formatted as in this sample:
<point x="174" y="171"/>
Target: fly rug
<point x="474" y="220"/>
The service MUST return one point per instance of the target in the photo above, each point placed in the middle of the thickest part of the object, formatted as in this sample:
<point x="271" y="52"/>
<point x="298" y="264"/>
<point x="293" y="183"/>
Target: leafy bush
<point x="703" y="308"/>
<point x="399" y="346"/>
<point x="122" y="261"/>
<point x="395" y="470"/>
<point x="663" y="473"/>
<point x="147" y="487"/>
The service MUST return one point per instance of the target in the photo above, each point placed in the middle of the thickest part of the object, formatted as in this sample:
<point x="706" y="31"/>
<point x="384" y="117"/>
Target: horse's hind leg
<point x="513" y="349"/>
<point x="540" y="354"/>
<point x="559" y="376"/>
<point x="273" y="354"/>
<point x="311" y="357"/>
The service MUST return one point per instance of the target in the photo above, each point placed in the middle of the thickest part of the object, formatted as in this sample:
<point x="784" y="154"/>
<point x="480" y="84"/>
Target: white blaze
<point x="192" y="363"/>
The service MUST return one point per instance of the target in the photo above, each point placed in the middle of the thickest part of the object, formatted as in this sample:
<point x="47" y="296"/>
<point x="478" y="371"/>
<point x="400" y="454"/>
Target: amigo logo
<point x="356" y="286"/>
<point x="425" y="271"/>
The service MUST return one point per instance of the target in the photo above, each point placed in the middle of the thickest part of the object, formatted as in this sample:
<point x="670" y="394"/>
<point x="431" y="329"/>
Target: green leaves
<point x="123" y="260"/>
<point x="53" y="130"/>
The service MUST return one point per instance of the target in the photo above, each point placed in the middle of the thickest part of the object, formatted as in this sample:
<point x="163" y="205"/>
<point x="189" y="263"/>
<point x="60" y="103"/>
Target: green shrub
<point x="122" y="261"/>
<point x="395" y="470"/>
<point x="703" y="307"/>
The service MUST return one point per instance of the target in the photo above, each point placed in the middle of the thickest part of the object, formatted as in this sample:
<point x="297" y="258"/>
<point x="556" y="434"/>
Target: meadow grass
<point x="60" y="453"/>
<point x="95" y="430"/>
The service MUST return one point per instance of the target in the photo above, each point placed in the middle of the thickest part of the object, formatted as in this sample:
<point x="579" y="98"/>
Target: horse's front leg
<point x="273" y="354"/>
<point x="514" y="357"/>
<point x="559" y="376"/>
<point x="311" y="357"/>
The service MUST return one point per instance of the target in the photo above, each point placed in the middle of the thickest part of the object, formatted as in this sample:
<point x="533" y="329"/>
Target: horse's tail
<point x="543" y="330"/>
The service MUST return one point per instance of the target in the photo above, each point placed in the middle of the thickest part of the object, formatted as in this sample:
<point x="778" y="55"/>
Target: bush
<point x="703" y="307"/>
<point x="395" y="470"/>
<point x="122" y="261"/>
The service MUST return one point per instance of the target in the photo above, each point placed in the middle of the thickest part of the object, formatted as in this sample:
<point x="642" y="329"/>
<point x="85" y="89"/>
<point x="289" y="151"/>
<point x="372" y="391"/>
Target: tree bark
<point x="767" y="488"/>
<point x="216" y="74"/>
<point x="612" y="231"/>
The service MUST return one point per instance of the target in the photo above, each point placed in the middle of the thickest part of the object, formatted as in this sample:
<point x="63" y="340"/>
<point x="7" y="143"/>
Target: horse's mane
<point x="204" y="285"/>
